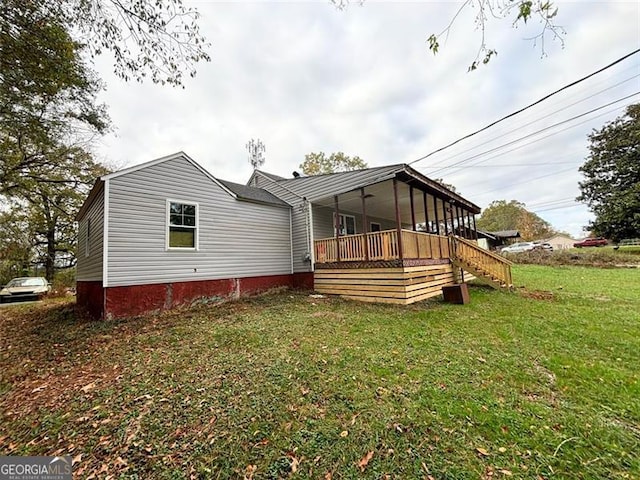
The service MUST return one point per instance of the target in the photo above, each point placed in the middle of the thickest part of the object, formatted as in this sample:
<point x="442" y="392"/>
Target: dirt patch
<point x="328" y="315"/>
<point x="538" y="294"/>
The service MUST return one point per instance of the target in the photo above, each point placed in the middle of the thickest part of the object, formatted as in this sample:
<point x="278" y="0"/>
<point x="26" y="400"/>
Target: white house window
<point x="182" y="225"/>
<point x="347" y="224"/>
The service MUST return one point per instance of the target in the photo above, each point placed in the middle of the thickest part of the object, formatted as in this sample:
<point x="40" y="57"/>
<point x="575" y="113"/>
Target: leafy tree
<point x="47" y="94"/>
<point x="46" y="204"/>
<point x="519" y="11"/>
<point x="319" y="163"/>
<point x="16" y="245"/>
<point x="503" y="215"/>
<point x="446" y="185"/>
<point x="612" y="177"/>
<point x="159" y="39"/>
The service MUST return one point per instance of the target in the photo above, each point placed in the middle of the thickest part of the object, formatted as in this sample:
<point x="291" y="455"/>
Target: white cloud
<point x="305" y="77"/>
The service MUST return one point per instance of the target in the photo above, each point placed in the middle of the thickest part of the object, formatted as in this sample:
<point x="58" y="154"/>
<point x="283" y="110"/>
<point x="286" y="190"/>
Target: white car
<point x="24" y="288"/>
<point x="519" y="247"/>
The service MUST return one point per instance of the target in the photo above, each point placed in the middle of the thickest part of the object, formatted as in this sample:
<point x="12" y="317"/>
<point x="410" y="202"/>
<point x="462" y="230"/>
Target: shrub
<point x="592" y="257"/>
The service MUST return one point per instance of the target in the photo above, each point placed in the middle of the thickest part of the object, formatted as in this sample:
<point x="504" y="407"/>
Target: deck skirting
<point x="400" y="284"/>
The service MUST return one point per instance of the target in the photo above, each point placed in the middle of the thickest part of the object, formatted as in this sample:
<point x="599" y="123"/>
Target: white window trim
<point x="371" y="224"/>
<point x="167" y="225"/>
<point x="345" y="215"/>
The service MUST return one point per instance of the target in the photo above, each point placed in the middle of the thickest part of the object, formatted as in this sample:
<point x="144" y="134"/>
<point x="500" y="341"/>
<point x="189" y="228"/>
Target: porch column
<point x="470" y="233"/>
<point x="460" y="228"/>
<point x="365" y="224"/>
<point x="337" y="220"/>
<point x="475" y="230"/>
<point x="413" y="212"/>
<point x="444" y="217"/>
<point x="435" y="209"/>
<point x="426" y="213"/>
<point x="398" y="220"/>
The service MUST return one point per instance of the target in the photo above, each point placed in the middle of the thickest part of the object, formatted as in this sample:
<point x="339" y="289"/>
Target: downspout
<point x="310" y="235"/>
<point x="291" y="237"/>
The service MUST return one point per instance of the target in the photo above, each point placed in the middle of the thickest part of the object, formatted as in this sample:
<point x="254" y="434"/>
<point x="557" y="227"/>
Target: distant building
<point x="560" y="242"/>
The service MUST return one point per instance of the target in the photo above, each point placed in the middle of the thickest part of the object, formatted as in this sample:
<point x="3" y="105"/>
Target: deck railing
<point x="482" y="262"/>
<point x="381" y="246"/>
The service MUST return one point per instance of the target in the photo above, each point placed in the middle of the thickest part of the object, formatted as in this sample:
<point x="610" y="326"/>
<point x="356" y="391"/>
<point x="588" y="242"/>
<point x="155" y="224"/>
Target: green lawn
<point x="540" y="383"/>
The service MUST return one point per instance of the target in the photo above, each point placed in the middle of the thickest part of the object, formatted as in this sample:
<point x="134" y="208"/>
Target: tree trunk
<point x="50" y="260"/>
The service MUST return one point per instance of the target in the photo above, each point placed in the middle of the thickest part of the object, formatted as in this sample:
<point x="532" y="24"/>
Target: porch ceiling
<point x="381" y="202"/>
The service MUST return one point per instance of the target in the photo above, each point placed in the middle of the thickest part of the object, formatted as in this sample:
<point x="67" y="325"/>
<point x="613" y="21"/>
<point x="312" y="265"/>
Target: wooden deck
<point x="376" y="267"/>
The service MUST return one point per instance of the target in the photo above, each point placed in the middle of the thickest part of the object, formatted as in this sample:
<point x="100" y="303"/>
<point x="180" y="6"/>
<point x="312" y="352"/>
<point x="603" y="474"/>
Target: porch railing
<point x="381" y="246"/>
<point x="492" y="267"/>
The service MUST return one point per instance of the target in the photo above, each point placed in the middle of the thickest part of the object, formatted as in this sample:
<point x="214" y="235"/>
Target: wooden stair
<point x="488" y="267"/>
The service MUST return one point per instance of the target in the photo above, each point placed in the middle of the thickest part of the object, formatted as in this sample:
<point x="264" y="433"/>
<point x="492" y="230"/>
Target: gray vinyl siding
<point x="89" y="268"/>
<point x="301" y="230"/>
<point x="323" y="222"/>
<point x="236" y="238"/>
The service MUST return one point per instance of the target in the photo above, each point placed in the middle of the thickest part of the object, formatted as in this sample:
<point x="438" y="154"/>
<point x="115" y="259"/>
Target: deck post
<point x="398" y="220"/>
<point x="469" y="225"/>
<point x="459" y="221"/>
<point x="365" y="223"/>
<point x="427" y="227"/>
<point x="413" y="212"/>
<point x="337" y="214"/>
<point x="444" y="212"/>
<point x="435" y="209"/>
<point x="475" y="230"/>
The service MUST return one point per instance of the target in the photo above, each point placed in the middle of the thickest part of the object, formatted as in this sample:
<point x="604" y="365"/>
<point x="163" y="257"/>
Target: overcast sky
<point x="305" y="77"/>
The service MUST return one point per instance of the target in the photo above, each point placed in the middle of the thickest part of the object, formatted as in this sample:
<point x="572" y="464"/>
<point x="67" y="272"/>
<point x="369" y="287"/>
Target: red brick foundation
<point x="303" y="281"/>
<point x="90" y="298"/>
<point x="134" y="300"/>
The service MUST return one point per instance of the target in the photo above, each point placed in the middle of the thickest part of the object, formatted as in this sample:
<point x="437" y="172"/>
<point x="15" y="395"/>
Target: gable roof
<point x="253" y="194"/>
<point x="167" y="158"/>
<point x="316" y="187"/>
<point x="236" y="190"/>
<point x="271" y="175"/>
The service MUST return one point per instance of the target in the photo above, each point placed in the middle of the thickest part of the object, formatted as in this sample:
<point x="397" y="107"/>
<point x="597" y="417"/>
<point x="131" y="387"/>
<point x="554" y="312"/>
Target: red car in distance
<point x="591" y="242"/>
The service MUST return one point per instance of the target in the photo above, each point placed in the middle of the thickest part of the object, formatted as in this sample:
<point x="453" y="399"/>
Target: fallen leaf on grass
<point x="76" y="459"/>
<point x="88" y="387"/>
<point x="502" y="449"/>
<point x="344" y="433"/>
<point x="249" y="471"/>
<point x="364" y="461"/>
<point x="482" y="451"/>
<point x="294" y="464"/>
<point x="508" y="473"/>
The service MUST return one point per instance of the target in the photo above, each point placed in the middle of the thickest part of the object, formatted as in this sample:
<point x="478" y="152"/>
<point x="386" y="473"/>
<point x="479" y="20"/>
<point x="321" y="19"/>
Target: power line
<point x="529" y="180"/>
<point x="546" y="97"/>
<point x="536" y="120"/>
<point x="524" y="137"/>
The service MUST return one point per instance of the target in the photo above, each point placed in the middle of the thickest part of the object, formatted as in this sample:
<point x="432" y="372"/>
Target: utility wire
<point x="524" y="137"/>
<point x="534" y="121"/>
<point x="529" y="180"/>
<point x="513" y="114"/>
